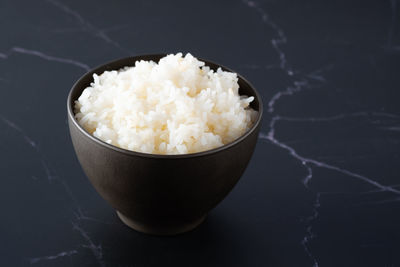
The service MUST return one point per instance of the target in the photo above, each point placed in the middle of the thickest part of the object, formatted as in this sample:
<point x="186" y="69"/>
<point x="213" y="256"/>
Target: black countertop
<point x="323" y="186"/>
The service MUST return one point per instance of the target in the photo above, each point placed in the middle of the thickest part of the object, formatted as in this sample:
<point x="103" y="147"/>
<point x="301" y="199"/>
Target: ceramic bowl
<point x="161" y="194"/>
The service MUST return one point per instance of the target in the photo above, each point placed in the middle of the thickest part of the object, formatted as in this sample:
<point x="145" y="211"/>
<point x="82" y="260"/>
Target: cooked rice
<point x="177" y="106"/>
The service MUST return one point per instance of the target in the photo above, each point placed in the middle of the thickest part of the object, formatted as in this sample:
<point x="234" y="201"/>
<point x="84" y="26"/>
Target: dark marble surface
<point x="323" y="187"/>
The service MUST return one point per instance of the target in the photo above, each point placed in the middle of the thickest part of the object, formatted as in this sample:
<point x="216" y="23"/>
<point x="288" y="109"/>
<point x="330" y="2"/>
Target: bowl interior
<point x="245" y="88"/>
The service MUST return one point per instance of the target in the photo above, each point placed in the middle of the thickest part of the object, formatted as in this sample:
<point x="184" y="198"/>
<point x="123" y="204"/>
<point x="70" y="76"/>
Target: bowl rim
<point x="71" y="114"/>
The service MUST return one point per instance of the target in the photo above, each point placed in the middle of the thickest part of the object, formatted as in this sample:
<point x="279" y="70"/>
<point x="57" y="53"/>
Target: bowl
<point x="161" y="194"/>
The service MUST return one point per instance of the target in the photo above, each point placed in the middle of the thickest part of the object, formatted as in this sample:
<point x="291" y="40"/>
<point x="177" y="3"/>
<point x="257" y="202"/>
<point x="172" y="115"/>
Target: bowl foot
<point x="160" y="230"/>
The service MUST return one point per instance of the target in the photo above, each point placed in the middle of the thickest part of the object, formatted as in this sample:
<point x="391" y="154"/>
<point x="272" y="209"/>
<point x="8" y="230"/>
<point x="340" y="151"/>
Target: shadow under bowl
<point x="161" y="194"/>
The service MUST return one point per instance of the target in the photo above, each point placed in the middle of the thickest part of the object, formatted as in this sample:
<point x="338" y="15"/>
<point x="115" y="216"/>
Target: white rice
<point x="177" y="106"/>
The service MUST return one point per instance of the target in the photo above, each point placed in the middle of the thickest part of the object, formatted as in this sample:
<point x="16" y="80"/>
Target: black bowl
<point x="161" y="194"/>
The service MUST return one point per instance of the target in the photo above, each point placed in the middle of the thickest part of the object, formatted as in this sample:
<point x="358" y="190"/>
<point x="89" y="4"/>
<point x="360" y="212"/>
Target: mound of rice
<point x="177" y="106"/>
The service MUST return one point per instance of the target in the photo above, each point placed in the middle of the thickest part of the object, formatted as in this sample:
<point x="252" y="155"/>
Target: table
<point x="323" y="186"/>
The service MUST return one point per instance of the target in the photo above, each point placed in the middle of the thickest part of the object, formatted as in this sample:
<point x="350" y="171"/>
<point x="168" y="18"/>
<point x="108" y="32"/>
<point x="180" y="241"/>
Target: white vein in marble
<point x="53" y="257"/>
<point x="277" y="42"/>
<point x="310" y="234"/>
<point x="50" y="173"/>
<point x="42" y="55"/>
<point x="96" y="250"/>
<point x="270" y="136"/>
<point x="87" y="26"/>
<point x="302" y="83"/>
<point x="81" y="216"/>
<point x="20" y="131"/>
<point x="298" y="86"/>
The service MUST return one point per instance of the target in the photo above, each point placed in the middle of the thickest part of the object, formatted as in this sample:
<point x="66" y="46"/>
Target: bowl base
<point x="168" y="230"/>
